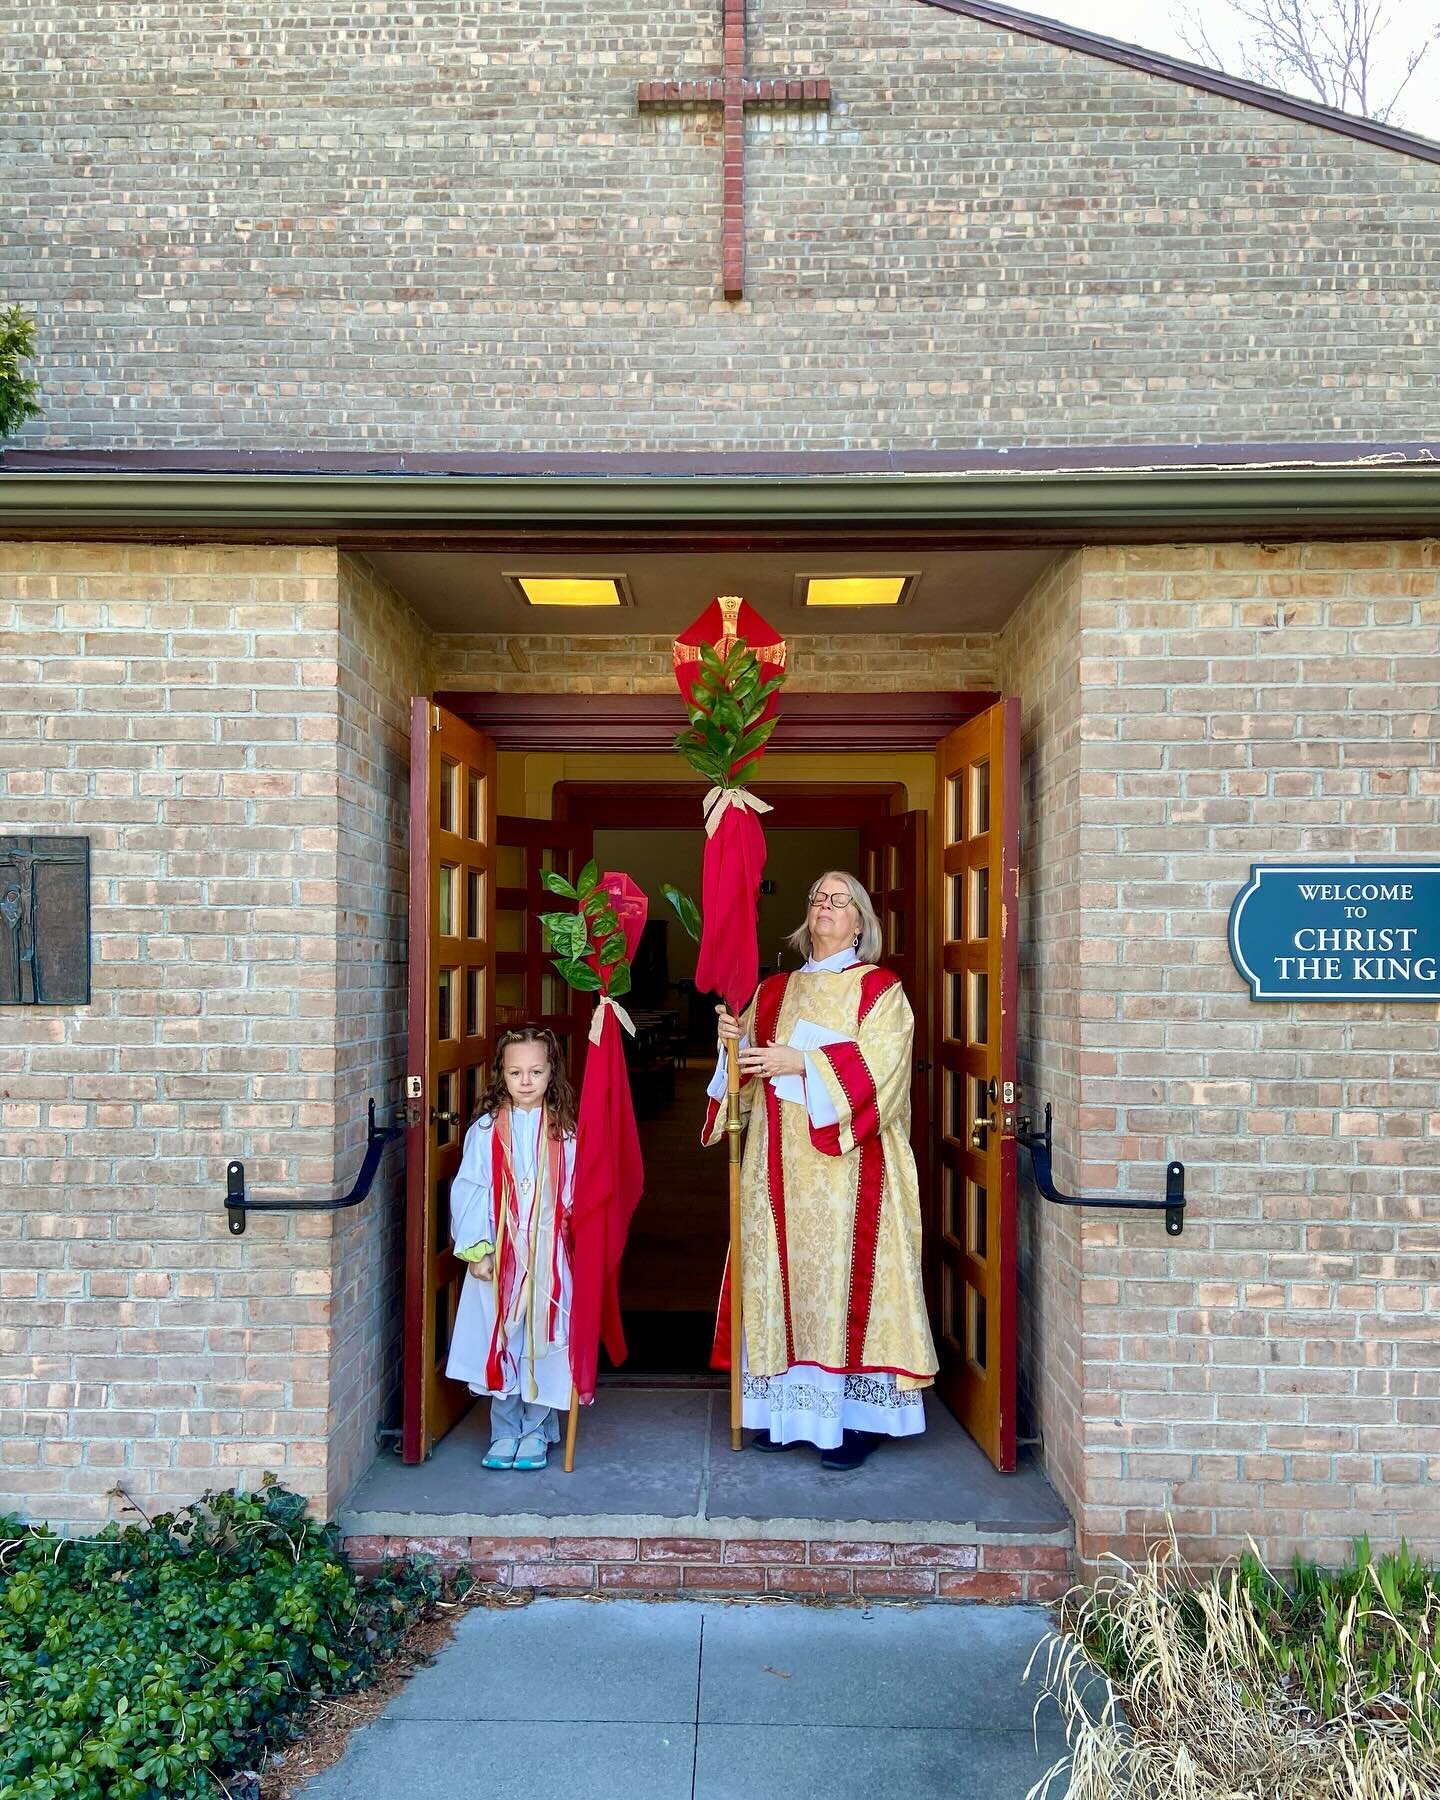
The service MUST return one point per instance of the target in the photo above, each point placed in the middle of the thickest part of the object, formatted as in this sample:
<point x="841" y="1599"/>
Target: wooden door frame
<point x="835" y="722"/>
<point x="676" y="805"/>
<point x="609" y="722"/>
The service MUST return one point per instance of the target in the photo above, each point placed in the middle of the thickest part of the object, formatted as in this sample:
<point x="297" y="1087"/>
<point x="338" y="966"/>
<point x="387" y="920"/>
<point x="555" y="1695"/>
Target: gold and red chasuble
<point x="831" y="1239"/>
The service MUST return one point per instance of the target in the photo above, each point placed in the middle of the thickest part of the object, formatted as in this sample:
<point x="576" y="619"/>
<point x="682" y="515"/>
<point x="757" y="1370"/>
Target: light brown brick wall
<point x="641" y="665"/>
<point x="1038" y="656"/>
<point x="385" y="656"/>
<point x="228" y="725"/>
<point x="180" y="707"/>
<point x="450" y="227"/>
<point x="1276" y="1371"/>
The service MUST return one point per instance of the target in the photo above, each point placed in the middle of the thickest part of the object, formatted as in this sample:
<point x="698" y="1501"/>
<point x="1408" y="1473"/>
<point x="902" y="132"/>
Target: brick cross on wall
<point x="733" y="92"/>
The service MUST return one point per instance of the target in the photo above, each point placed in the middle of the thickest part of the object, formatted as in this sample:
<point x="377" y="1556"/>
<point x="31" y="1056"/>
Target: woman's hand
<point x="484" y="1270"/>
<point x="729" y="1025"/>
<point x="767" y="1060"/>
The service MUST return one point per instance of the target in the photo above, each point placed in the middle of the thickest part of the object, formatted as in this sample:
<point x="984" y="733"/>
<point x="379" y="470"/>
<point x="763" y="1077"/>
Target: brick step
<point x="1016" y="1568"/>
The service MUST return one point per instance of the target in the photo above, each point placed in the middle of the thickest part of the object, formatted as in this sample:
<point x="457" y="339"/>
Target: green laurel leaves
<point x="593" y="929"/>
<point x="726" y="714"/>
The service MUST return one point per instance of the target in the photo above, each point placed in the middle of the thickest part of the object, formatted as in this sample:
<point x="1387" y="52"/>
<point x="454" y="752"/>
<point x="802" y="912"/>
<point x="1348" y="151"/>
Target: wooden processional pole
<point x="732" y="1135"/>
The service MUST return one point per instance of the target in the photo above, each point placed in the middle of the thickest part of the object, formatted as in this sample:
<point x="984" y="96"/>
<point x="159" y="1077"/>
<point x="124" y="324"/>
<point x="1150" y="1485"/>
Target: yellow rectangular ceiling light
<point x="570" y="590"/>
<point x="856" y="590"/>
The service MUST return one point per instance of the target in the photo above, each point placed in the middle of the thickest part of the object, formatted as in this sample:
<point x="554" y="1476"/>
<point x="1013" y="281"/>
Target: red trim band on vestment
<point x="720" y="1343"/>
<point x="768" y="1001"/>
<point x="769" y="997"/>
<point x="775" y="1182"/>
<point x="826" y="1139"/>
<point x="873" y="983"/>
<point x="858" y="1086"/>
<point x="869" y="1198"/>
<point x="862" y="1369"/>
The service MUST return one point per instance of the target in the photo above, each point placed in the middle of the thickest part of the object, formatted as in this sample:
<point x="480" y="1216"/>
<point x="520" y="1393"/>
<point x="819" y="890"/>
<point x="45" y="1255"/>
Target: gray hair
<point x="872" y="940"/>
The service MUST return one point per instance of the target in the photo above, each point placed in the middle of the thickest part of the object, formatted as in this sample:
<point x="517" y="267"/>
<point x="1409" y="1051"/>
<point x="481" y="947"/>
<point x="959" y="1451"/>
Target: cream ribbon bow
<point x="597" y="1018"/>
<point x="720" y="799"/>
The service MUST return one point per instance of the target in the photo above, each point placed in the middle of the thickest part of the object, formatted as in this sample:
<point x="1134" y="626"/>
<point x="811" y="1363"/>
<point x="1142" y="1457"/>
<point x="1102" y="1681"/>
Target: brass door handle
<point x="978" y="1131"/>
<point x="443" y="1118"/>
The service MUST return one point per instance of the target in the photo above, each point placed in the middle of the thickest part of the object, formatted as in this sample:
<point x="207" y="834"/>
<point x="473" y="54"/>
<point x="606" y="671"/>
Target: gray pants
<point x="510" y="1416"/>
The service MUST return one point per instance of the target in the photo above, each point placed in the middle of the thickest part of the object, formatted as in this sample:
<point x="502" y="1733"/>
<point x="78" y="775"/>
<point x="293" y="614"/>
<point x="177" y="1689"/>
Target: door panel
<point x="892" y="868"/>
<point x="451" y="1021"/>
<point x="977" y="809"/>
<point x="527" y="989"/>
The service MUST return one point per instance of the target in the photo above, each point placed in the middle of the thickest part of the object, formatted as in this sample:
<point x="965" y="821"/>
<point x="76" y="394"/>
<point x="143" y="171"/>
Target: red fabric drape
<point x="729" y="959"/>
<point x="609" y="1176"/>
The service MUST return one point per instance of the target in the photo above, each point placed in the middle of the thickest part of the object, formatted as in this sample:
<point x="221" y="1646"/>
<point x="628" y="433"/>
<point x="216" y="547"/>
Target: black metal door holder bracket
<point x="237" y="1204"/>
<point x="1040" y="1144"/>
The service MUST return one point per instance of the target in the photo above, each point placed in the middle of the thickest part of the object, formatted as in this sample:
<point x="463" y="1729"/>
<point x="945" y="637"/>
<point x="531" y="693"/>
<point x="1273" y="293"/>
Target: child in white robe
<point x="509" y="1218"/>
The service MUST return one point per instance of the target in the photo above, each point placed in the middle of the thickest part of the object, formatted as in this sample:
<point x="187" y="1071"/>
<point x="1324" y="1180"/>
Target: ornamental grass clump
<point x="1246" y="1687"/>
<point x="148" y="1663"/>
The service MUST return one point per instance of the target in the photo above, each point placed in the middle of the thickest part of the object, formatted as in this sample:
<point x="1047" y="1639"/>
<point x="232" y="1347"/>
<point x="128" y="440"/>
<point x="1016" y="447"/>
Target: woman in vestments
<point x="837" y="1344"/>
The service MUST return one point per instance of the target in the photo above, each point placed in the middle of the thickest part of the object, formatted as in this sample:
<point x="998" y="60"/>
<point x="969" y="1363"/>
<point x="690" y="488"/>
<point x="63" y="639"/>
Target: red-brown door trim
<point x="677" y="805"/>
<point x="601" y="722"/>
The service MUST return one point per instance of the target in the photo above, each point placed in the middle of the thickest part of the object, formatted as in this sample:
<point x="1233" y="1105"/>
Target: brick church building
<point x="1108" y="385"/>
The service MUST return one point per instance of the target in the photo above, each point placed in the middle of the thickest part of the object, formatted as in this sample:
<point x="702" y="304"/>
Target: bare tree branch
<point x="1323" y="47"/>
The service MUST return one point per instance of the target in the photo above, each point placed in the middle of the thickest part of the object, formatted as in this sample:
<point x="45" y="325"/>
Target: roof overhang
<point x="990" y="497"/>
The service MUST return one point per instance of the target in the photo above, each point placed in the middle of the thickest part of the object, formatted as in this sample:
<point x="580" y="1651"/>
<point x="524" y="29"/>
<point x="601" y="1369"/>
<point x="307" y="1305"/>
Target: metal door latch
<point x="1040" y="1143"/>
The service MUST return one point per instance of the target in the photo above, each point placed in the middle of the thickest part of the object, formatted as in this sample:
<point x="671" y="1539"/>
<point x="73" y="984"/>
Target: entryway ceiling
<point x="956" y="590"/>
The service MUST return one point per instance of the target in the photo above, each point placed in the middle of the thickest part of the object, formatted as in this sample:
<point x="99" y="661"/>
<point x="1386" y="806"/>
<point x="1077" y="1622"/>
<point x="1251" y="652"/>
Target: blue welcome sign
<point x="1339" y="931"/>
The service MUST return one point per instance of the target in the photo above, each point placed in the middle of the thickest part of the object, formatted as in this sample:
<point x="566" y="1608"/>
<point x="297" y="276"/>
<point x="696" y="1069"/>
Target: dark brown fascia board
<point x="1071" y="459"/>
<point x="1196" y="75"/>
<point x="427" y="511"/>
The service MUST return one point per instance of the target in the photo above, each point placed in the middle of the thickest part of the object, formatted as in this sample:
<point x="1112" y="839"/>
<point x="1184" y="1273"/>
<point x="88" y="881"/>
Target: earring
<point x="856" y="944"/>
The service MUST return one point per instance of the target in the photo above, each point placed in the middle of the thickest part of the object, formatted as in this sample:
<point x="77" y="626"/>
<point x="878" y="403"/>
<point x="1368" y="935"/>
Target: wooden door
<point x="892" y="867"/>
<point x="527" y="989"/>
<point x="978" y="814"/>
<point x="452" y="977"/>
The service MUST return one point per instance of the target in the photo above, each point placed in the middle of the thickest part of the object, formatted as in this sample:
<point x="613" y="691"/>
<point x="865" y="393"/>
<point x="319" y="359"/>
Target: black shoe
<point x="852" y="1450"/>
<point x="763" y="1441"/>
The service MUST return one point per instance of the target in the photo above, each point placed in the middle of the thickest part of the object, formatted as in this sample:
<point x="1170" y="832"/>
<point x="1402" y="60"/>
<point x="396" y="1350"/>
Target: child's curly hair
<point x="559" y="1095"/>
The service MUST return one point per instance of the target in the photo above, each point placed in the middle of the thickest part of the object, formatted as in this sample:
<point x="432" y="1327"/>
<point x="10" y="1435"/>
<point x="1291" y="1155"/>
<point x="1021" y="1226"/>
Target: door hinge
<point x="434" y="718"/>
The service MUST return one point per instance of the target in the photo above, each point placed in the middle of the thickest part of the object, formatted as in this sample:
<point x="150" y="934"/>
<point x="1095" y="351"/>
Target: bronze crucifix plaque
<point x="44" y="921"/>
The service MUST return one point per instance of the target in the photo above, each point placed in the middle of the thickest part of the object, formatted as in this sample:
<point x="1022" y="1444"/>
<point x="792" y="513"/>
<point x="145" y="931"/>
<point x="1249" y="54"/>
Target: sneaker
<point x="852" y="1450"/>
<point x="531" y="1452"/>
<point x="501" y="1454"/>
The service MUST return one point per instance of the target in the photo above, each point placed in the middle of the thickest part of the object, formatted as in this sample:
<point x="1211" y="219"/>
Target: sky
<point x="1155" y="24"/>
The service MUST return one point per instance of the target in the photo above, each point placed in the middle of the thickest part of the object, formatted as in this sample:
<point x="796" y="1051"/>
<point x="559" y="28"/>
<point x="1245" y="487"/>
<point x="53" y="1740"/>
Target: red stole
<point x="512" y="1275"/>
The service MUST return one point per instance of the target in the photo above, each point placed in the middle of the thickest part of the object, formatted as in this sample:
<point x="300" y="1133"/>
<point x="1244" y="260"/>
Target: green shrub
<point x="18" y="393"/>
<point x="145" y="1663"/>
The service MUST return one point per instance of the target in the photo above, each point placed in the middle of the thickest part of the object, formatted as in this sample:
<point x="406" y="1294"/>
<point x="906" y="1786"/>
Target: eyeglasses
<point x="837" y="901"/>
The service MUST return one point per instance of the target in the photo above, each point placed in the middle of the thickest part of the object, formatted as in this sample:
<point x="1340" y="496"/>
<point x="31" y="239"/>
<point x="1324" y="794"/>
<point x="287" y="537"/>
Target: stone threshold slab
<point x="367" y="1524"/>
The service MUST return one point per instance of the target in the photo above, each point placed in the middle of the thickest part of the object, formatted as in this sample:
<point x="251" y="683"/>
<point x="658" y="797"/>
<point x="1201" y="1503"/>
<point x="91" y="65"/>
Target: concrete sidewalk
<point x="583" y="1700"/>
